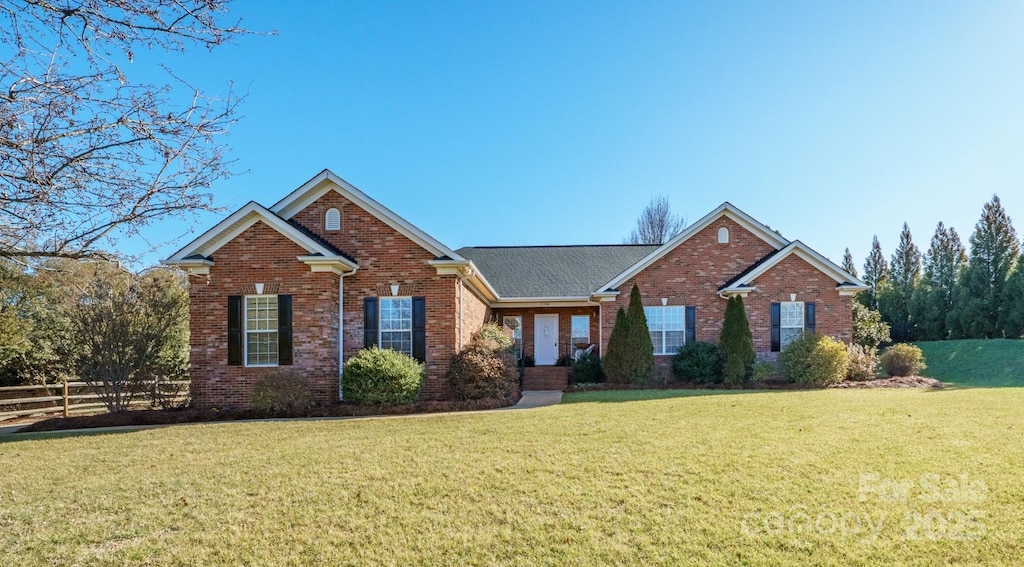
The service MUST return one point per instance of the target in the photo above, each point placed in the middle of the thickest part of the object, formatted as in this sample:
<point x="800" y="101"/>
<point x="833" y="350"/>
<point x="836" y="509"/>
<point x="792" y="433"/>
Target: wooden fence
<point x="77" y="397"/>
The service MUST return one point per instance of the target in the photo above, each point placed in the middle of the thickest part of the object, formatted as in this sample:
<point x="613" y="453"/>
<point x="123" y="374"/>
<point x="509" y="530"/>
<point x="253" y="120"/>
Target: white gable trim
<point x="801" y="250"/>
<point x="326" y="181"/>
<point x="725" y="209"/>
<point x="240" y="221"/>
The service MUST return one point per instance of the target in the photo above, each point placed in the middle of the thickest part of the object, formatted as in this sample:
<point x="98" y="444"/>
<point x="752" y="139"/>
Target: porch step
<point x="546" y="378"/>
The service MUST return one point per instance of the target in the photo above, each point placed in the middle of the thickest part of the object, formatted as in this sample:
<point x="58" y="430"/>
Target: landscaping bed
<point x="176" y="416"/>
<point x="894" y="382"/>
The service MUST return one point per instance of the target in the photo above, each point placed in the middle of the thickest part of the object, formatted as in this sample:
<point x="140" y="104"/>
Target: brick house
<point x="328" y="270"/>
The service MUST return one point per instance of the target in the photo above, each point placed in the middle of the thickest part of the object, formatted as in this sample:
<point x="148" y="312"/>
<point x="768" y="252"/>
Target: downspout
<point x="600" y="328"/>
<point x="462" y="284"/>
<point x="341" y="332"/>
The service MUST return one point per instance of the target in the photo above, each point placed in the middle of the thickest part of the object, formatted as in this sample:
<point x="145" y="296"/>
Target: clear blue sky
<point x="504" y="123"/>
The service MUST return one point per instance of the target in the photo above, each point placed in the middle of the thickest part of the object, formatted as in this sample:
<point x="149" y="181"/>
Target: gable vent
<point x="332" y="220"/>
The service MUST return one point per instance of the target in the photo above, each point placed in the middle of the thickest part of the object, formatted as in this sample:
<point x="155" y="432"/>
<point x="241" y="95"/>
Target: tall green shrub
<point x="736" y="343"/>
<point x="615" y="364"/>
<point x="639" y="339"/>
<point x="815" y="359"/>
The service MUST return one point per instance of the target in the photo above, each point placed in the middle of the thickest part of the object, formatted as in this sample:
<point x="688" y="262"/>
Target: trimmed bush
<point x="482" y="371"/>
<point x="903" y="360"/>
<point x="868" y="328"/>
<point x="698" y="362"/>
<point x="381" y="377"/>
<point x="863" y="363"/>
<point x="736" y="342"/>
<point x="762" y="371"/>
<point x="587" y="370"/>
<point x="282" y="392"/>
<point x="615" y="360"/>
<point x="630" y="356"/>
<point x="496" y="334"/>
<point x="815" y="360"/>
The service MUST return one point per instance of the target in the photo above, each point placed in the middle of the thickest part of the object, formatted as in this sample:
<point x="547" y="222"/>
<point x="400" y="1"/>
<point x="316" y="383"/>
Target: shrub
<point x="630" y="356"/>
<point x="587" y="370"/>
<point x="698" y="362"/>
<point x="528" y="361"/>
<point x="382" y="377"/>
<point x="868" y="328"/>
<point x="481" y="371"/>
<point x="736" y="342"/>
<point x="863" y="363"/>
<point x="282" y="392"/>
<point x="762" y="371"/>
<point x="903" y="360"/>
<point x="496" y="334"/>
<point x="815" y="359"/>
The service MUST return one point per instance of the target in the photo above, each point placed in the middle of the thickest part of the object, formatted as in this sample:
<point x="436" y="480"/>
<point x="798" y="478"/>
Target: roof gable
<point x="804" y="252"/>
<point x="326" y="181"/>
<point x="774" y="239"/>
<point x="240" y="221"/>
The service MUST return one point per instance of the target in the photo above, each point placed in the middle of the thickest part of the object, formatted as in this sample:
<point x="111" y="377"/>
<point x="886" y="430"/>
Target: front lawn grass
<point x="982" y="363"/>
<point x="832" y="477"/>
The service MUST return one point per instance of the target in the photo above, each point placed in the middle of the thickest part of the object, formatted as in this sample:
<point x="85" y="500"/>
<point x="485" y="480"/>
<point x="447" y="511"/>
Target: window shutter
<point x="809" y="316"/>
<point x="284" y="330"/>
<point x="234" y="330"/>
<point x="419" y="328"/>
<point x="776" y="327"/>
<point x="369" y="322"/>
<point x="691" y="324"/>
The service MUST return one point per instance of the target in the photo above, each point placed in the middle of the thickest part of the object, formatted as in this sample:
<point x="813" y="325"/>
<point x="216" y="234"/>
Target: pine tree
<point x="641" y="349"/>
<point x="875" y="272"/>
<point x="933" y="300"/>
<point x="1013" y="315"/>
<point x="736" y="342"/>
<point x="614" y="362"/>
<point x="905" y="272"/>
<point x="848" y="263"/>
<point x="980" y="306"/>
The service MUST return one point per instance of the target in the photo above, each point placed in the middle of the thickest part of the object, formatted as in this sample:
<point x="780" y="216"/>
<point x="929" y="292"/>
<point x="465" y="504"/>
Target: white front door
<point x="545" y="339"/>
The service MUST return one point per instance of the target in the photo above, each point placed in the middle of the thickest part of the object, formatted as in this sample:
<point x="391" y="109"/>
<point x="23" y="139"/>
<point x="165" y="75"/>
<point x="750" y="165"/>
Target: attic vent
<point x="723" y="235"/>
<point x="332" y="220"/>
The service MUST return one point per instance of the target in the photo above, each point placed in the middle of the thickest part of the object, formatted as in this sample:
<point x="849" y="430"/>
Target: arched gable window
<point x="332" y="220"/>
<point x="723" y="235"/>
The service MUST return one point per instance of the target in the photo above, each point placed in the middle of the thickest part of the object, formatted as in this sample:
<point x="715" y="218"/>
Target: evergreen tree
<point x="639" y="342"/>
<point x="615" y="359"/>
<point x="1013" y="301"/>
<point x="933" y="299"/>
<point x="848" y="263"/>
<point x="736" y="343"/>
<point x="875" y="272"/>
<point x="905" y="272"/>
<point x="980" y="307"/>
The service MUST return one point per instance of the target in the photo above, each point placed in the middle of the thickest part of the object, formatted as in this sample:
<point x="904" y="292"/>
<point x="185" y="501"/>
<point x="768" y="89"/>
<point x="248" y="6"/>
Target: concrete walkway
<point x="531" y="399"/>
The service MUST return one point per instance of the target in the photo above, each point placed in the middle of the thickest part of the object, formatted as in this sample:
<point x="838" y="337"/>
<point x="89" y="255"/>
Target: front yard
<point x="808" y="477"/>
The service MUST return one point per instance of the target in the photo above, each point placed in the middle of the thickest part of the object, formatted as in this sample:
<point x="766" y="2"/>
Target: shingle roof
<point x="552" y="271"/>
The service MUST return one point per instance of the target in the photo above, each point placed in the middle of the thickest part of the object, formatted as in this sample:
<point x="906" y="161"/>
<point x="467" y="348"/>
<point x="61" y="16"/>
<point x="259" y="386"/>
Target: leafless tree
<point x="86" y="154"/>
<point x="657" y="223"/>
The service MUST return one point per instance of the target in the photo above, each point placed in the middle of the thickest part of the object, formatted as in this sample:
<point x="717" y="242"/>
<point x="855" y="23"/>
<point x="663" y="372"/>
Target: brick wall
<point x="564" y="324"/>
<point x="473" y="314"/>
<point x="693" y="273"/>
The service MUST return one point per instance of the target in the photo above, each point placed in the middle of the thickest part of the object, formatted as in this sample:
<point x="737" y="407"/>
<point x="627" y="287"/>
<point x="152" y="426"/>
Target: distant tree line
<point x="948" y="292"/>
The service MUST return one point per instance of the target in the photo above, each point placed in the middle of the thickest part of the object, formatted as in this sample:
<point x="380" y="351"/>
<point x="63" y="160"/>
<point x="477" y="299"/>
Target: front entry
<point x="545" y="339"/>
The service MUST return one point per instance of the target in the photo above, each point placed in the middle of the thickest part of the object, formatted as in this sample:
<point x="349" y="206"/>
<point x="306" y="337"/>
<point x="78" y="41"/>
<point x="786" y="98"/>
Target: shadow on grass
<point x="616" y="396"/>
<point x="42" y="435"/>
<point x="975" y="363"/>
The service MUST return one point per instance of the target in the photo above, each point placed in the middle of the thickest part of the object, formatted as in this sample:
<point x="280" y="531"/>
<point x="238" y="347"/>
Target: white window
<point x="723" y="235"/>
<point x="667" y="327"/>
<point x="261" y="330"/>
<point x="396" y="324"/>
<point x="791" y="322"/>
<point x="514" y="324"/>
<point x="332" y="220"/>
<point x="580" y="337"/>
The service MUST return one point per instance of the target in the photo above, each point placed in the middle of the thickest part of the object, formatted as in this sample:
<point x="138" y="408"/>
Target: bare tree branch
<point x="657" y="223"/>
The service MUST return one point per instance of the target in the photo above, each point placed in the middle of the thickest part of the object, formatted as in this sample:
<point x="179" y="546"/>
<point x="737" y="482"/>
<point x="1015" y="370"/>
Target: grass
<point x="607" y="478"/>
<point x="976" y="363"/>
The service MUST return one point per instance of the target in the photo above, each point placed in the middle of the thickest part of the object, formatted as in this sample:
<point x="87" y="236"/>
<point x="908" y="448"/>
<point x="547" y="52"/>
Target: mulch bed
<point x="894" y="382"/>
<point x="169" y="417"/>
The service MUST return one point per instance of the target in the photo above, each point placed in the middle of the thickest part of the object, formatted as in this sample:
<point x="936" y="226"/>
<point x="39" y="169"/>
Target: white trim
<point x="571" y="337"/>
<point x="823" y="264"/>
<point x="332" y="220"/>
<point x="725" y="209"/>
<point x="380" y="322"/>
<point x="467" y="271"/>
<point x="237" y="223"/>
<point x="326" y="181"/>
<point x="194" y="266"/>
<point x="333" y="264"/>
<point x="245" y="331"/>
<point x="664" y="309"/>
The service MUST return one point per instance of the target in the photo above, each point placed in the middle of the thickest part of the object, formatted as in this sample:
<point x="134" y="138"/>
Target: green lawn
<point x="800" y="477"/>
<point x="976" y="363"/>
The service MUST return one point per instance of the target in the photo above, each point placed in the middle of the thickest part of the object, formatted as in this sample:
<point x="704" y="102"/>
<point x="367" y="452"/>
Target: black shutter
<point x="809" y="316"/>
<point x="419" y="328"/>
<point x="369" y="322"/>
<point x="234" y="330"/>
<point x="691" y="324"/>
<point x="284" y="330"/>
<point x="776" y="327"/>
